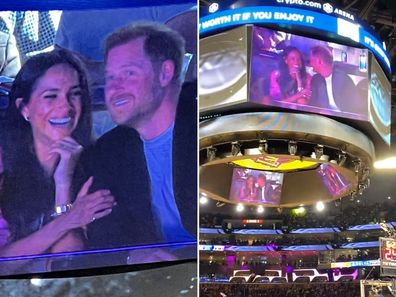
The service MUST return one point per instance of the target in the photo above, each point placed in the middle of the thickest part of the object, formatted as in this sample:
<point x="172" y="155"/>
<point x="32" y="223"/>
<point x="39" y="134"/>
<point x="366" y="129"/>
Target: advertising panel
<point x="223" y="69"/>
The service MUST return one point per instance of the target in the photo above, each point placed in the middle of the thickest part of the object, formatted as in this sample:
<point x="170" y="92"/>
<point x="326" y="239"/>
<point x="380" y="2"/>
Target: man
<point x="83" y="31"/>
<point x="263" y="190"/>
<point x="331" y="87"/>
<point x="149" y="160"/>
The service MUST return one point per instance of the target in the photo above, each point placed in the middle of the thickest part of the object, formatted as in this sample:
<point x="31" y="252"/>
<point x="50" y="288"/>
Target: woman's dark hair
<point x="247" y="189"/>
<point x="287" y="84"/>
<point x="18" y="132"/>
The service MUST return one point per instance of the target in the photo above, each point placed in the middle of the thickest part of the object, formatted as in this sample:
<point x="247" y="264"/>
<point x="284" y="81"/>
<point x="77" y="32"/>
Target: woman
<point x="48" y="121"/>
<point x="248" y="190"/>
<point x="291" y="83"/>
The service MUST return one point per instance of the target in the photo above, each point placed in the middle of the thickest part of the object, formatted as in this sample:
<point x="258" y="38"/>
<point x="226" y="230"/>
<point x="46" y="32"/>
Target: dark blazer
<point x="267" y="193"/>
<point x="271" y="194"/>
<point x="117" y="163"/>
<point x="346" y="95"/>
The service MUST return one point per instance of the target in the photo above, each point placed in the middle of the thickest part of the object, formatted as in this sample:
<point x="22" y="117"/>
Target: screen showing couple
<point x="300" y="73"/>
<point x="256" y="186"/>
<point x="333" y="181"/>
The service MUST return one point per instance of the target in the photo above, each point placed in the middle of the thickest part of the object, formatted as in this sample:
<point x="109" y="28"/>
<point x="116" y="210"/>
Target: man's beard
<point x="147" y="111"/>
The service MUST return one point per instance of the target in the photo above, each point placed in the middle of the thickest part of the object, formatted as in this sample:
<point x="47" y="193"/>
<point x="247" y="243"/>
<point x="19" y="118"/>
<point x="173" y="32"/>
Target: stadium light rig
<point x="320" y="206"/>
<point x="232" y="141"/>
<point x="240" y="207"/>
<point x="203" y="199"/>
<point x="389" y="163"/>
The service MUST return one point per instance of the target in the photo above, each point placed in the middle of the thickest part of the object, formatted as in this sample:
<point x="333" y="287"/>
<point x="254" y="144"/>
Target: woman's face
<point x="293" y="59"/>
<point x="55" y="104"/>
<point x="250" y="181"/>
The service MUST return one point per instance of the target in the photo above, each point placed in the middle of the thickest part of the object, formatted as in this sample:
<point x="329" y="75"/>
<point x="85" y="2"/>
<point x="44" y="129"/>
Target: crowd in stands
<point x="351" y="289"/>
<point x="343" y="216"/>
<point x="361" y="254"/>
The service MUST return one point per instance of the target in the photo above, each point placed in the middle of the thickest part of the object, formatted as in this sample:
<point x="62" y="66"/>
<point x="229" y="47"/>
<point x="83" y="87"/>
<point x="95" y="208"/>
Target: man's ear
<point x="167" y="73"/>
<point x="23" y="108"/>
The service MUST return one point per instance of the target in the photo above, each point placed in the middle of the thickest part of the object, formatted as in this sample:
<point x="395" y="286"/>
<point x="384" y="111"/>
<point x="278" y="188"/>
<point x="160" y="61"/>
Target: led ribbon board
<point x="365" y="227"/>
<point x="257" y="232"/>
<point x="366" y="263"/>
<point x="234" y="248"/>
<point x="334" y="27"/>
<point x="310" y="247"/>
<point x="360" y="245"/>
<point x="78" y="5"/>
<point x="211" y="231"/>
<point x="314" y="230"/>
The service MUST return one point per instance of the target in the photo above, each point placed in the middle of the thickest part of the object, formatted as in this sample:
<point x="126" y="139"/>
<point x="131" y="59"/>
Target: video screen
<point x="223" y="69"/>
<point x="380" y="101"/>
<point x="300" y="73"/>
<point x="256" y="186"/>
<point x="334" y="181"/>
<point x="91" y="175"/>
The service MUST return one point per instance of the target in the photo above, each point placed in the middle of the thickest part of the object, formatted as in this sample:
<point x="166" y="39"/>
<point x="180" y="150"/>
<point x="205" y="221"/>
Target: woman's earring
<point x="27" y="119"/>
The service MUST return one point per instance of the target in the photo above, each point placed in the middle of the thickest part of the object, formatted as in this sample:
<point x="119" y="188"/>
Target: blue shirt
<point x="158" y="152"/>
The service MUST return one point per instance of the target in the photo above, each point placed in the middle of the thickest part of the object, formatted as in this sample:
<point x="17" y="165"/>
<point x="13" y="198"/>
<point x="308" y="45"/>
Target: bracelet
<point x="61" y="209"/>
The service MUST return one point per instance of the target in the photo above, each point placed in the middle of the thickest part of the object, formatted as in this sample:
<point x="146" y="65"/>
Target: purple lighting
<point x="272" y="247"/>
<point x="230" y="260"/>
<point x="289" y="268"/>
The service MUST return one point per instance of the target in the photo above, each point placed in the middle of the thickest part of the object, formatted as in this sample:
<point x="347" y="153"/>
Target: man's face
<point x="132" y="90"/>
<point x="315" y="63"/>
<point x="261" y="182"/>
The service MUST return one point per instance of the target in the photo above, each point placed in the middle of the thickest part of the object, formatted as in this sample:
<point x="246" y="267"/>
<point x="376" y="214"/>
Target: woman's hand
<point x="303" y="96"/>
<point x="294" y="71"/>
<point x="275" y="90"/>
<point x="67" y="152"/>
<point x="89" y="207"/>
<point x="305" y="93"/>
